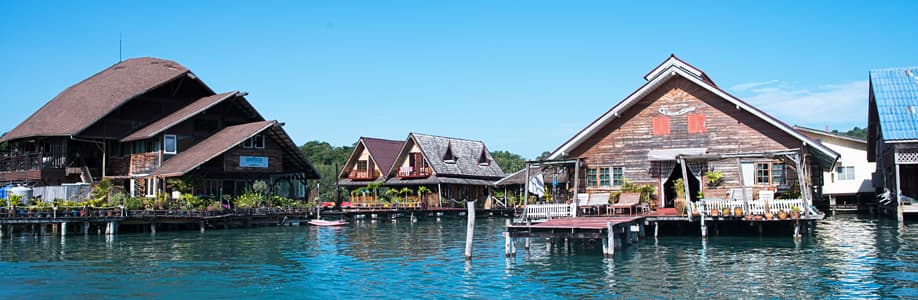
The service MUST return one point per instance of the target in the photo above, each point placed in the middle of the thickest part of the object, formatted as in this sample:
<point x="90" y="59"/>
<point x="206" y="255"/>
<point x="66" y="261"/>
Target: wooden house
<point x="146" y="119"/>
<point x="368" y="164"/>
<point x="680" y="124"/>
<point x="849" y="185"/>
<point x="451" y="170"/>
<point x="892" y="137"/>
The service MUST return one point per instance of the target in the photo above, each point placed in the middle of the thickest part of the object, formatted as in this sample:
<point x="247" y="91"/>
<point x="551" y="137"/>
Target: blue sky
<point x="521" y="76"/>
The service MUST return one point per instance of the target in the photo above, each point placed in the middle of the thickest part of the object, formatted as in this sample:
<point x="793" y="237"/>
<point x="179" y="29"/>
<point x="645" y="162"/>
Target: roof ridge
<point x="446" y="137"/>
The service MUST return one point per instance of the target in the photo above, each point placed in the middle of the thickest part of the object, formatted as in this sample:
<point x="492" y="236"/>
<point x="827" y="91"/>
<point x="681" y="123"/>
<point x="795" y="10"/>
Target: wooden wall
<point x="626" y="140"/>
<point x="272" y="150"/>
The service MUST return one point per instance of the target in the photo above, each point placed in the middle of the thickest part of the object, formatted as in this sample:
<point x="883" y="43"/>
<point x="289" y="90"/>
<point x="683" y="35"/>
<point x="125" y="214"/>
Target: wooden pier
<point x="614" y="231"/>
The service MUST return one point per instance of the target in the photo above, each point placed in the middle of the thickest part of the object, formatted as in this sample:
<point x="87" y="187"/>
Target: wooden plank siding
<point x="716" y="124"/>
<point x="272" y="150"/>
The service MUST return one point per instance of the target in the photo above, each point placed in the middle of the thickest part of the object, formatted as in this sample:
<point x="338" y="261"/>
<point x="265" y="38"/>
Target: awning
<point x="670" y="154"/>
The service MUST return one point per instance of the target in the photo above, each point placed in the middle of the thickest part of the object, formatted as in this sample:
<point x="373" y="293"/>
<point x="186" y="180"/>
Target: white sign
<point x="253" y="161"/>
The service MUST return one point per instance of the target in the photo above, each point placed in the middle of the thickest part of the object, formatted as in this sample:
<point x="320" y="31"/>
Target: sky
<point x="522" y="76"/>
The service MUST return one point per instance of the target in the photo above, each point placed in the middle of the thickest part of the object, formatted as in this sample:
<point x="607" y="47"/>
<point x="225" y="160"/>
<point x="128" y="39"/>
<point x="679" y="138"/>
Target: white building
<point x="851" y="178"/>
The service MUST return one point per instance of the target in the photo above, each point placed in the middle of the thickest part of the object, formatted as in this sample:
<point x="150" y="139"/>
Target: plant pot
<point x="680" y="206"/>
<point x="747" y="217"/>
<point x="794" y="215"/>
<point x="737" y="211"/>
<point x="715" y="212"/>
<point x="725" y="212"/>
<point x="769" y="216"/>
<point x="782" y="215"/>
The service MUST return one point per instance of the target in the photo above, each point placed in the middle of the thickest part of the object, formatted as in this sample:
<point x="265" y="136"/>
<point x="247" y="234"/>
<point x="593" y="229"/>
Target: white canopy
<point x="670" y="154"/>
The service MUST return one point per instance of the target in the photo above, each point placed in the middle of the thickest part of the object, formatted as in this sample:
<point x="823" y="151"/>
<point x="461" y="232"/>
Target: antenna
<point x="119" y="47"/>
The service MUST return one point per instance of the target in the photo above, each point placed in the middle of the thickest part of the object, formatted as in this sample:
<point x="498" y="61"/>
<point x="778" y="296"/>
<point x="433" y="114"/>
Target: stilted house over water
<point x="892" y="137"/>
<point x="686" y="139"/>
<point x="426" y="171"/>
<point x="848" y="188"/>
<point x="143" y="120"/>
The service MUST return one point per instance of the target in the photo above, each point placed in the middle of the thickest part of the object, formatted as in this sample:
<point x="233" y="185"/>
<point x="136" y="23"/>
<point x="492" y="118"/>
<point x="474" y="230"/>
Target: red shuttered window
<point x="660" y="125"/>
<point x="696" y="123"/>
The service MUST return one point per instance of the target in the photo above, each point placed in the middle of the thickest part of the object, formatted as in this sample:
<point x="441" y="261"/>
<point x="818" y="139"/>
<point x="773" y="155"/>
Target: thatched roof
<point x="466" y="152"/>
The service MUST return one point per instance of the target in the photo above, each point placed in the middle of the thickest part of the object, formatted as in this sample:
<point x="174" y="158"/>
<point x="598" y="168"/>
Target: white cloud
<point x="839" y="105"/>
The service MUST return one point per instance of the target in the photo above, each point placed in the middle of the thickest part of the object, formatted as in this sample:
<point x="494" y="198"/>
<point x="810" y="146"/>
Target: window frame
<point x="848" y="172"/>
<point x="763" y="173"/>
<point x="166" y="138"/>
<point x="605" y="177"/>
<point x="620" y="173"/>
<point x="592" y="179"/>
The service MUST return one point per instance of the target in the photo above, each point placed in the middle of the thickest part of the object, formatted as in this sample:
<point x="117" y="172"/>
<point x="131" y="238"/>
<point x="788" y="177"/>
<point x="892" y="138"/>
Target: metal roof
<point x="895" y="91"/>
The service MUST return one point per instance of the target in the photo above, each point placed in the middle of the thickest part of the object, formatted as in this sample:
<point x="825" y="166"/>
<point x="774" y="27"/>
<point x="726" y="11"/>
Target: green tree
<point x="543" y="156"/>
<point x="324" y="157"/>
<point x="856" y="132"/>
<point x="509" y="162"/>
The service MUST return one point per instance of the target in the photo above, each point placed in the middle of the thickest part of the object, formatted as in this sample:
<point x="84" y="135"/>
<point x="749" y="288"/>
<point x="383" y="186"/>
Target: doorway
<point x="669" y="186"/>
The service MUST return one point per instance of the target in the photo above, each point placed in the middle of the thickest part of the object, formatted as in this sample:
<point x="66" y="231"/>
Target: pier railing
<point x="550" y="211"/>
<point x="755" y="207"/>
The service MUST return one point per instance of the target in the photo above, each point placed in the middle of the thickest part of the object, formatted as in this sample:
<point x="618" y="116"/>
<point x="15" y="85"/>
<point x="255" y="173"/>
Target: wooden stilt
<point x="507" y="240"/>
<point x="153" y="228"/>
<point x="656" y="229"/>
<point x="470" y="229"/>
<point x="797" y="229"/>
<point x="202" y="225"/>
<point x="527" y="243"/>
<point x="64" y="229"/>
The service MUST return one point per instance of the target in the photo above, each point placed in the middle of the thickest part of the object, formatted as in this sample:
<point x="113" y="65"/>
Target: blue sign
<point x="253" y="161"/>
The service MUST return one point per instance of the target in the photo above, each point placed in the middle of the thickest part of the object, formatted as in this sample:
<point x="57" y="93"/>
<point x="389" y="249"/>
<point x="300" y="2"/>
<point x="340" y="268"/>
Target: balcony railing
<point x="363" y="175"/>
<point x="411" y="172"/>
<point x="32" y="161"/>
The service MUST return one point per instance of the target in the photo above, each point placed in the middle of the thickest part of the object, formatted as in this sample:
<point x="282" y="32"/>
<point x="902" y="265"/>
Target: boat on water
<point x="318" y="222"/>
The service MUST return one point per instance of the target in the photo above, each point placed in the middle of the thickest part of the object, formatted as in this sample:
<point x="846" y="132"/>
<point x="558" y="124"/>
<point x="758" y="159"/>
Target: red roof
<point x="383" y="151"/>
<point x="84" y="103"/>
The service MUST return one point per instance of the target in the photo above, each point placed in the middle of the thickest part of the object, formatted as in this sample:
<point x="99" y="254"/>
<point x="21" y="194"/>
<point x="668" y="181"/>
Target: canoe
<point x="327" y="223"/>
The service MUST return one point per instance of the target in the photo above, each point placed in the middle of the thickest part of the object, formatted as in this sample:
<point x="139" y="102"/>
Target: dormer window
<point x="449" y="157"/>
<point x="483" y="158"/>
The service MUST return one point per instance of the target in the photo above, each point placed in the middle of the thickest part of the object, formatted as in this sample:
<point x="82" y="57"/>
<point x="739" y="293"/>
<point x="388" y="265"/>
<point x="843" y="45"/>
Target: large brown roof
<point x="84" y="103"/>
<point x="173" y="119"/>
<point x="213" y="146"/>
<point x="383" y="151"/>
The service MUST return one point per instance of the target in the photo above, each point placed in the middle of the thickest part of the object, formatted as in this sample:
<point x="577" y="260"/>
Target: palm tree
<point x="405" y="191"/>
<point x="423" y="190"/>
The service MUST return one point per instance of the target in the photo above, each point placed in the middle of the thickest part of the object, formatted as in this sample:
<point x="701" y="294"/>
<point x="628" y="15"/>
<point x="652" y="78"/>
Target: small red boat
<point x="327" y="223"/>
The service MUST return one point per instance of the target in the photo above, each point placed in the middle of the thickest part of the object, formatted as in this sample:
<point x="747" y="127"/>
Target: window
<point x="483" y="159"/>
<point x="150" y="187"/>
<point x="660" y="125"/>
<point x="762" y="173"/>
<point x="777" y="174"/>
<point x="618" y="176"/>
<point x="361" y="165"/>
<point x="696" y="123"/>
<point x="604" y="177"/>
<point x="591" y="178"/>
<point x="169" y="144"/>
<point x="844" y="172"/>
<point x="257" y="142"/>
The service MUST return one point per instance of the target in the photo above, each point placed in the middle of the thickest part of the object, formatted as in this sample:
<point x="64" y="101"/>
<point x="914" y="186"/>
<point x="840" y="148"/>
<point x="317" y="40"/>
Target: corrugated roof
<point x="213" y="146"/>
<point x="183" y="114"/>
<point x="384" y="152"/>
<point x="467" y="153"/>
<point x="895" y="91"/>
<point x="84" y="103"/>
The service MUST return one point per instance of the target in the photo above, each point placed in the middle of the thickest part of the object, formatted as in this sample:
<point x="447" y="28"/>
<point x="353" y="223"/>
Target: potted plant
<point x="737" y="211"/>
<point x="768" y="214"/>
<point x="795" y="212"/>
<point x="782" y="215"/>
<point x="679" y="202"/>
<point x="715" y="212"/>
<point x="725" y="211"/>
<point x="713" y="178"/>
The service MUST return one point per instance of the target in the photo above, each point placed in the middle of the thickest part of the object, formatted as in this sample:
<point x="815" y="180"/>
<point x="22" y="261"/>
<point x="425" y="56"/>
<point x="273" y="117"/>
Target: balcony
<point x="358" y="175"/>
<point x="32" y="166"/>
<point x="411" y="172"/>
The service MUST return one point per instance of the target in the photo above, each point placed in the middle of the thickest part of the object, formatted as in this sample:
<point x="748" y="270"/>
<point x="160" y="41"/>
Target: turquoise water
<point x="846" y="257"/>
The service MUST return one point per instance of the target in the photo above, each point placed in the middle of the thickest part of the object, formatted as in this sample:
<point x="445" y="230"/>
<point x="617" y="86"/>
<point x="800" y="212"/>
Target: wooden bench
<point x="626" y="200"/>
<point x="595" y="201"/>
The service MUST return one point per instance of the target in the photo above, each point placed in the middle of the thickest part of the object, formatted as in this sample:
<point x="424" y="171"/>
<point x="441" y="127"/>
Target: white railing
<point x="754" y="207"/>
<point x="550" y="211"/>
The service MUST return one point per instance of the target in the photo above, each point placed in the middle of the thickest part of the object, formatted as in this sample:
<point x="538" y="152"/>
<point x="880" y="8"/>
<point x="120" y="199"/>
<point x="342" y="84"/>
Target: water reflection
<point x="845" y="257"/>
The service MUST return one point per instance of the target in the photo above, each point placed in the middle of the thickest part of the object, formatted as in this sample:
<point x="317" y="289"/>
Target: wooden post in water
<point x="797" y="229"/>
<point x="470" y="229"/>
<point x="656" y="229"/>
<point x="63" y="229"/>
<point x="203" y="224"/>
<point x="527" y="243"/>
<point x="153" y="227"/>
<point x="610" y="236"/>
<point x="507" y="239"/>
